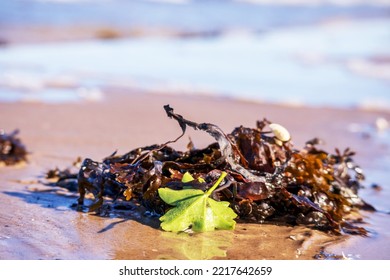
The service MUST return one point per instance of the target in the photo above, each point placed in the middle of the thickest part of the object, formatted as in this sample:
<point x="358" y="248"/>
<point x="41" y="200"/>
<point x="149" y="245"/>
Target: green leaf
<point x="194" y="208"/>
<point x="187" y="177"/>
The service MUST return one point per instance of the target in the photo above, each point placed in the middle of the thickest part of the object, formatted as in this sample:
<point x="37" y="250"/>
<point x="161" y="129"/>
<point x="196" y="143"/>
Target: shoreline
<point x="56" y="134"/>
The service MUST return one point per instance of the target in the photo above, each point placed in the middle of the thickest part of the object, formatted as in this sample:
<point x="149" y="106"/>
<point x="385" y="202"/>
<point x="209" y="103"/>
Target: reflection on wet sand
<point x="199" y="246"/>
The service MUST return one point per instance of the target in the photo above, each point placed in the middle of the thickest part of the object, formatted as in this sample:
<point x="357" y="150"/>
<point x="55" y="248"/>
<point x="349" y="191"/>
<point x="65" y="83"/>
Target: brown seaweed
<point x="268" y="181"/>
<point x="12" y="150"/>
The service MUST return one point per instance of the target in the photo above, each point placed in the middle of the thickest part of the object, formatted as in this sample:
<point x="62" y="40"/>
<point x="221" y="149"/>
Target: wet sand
<point x="36" y="222"/>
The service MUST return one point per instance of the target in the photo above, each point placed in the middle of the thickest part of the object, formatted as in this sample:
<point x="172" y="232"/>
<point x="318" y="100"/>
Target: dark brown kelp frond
<point x="268" y="180"/>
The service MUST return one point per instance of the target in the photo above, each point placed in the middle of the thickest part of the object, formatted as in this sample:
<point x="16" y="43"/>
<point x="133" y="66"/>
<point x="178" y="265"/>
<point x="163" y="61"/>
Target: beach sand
<point x="36" y="222"/>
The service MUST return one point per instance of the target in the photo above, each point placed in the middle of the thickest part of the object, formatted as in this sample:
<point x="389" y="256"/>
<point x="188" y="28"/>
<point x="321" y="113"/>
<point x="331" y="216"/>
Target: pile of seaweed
<point x="268" y="180"/>
<point x="12" y="150"/>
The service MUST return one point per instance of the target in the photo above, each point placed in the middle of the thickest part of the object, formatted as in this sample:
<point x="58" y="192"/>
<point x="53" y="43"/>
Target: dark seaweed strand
<point x="12" y="150"/>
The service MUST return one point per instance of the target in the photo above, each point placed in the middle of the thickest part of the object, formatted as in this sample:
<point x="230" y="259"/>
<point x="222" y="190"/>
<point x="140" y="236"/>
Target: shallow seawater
<point x="190" y="15"/>
<point x="345" y="63"/>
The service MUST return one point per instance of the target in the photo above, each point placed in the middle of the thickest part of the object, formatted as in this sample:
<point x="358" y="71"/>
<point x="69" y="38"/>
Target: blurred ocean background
<point x="332" y="53"/>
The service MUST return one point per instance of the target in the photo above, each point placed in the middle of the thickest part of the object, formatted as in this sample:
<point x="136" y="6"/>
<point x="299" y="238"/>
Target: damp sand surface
<point x="37" y="222"/>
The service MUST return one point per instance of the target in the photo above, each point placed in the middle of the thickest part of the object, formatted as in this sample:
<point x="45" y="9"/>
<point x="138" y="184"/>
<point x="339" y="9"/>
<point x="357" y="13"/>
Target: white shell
<point x="280" y="132"/>
<point x="381" y="124"/>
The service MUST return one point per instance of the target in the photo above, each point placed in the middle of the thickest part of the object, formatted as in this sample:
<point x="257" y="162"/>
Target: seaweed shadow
<point x="44" y="199"/>
<point x="62" y="199"/>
